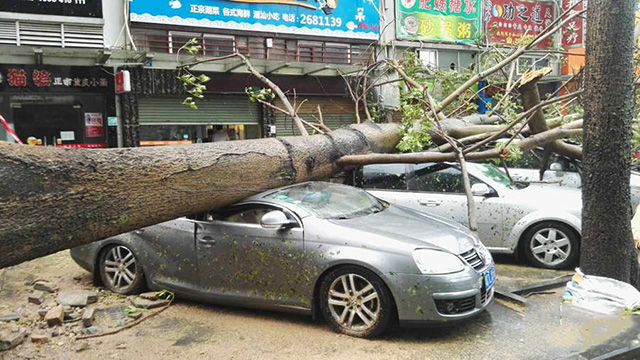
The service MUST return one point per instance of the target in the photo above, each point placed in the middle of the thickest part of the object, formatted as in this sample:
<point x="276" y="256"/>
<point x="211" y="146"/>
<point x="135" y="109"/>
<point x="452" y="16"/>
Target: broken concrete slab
<point x="55" y="316"/>
<point x="36" y="297"/>
<point x="45" y="287"/>
<point x="136" y="315"/>
<point x="148" y="304"/>
<point x="149" y="296"/>
<point x="40" y="338"/>
<point x="88" y="317"/>
<point x="79" y="298"/>
<point x="11" y="340"/>
<point x="9" y="318"/>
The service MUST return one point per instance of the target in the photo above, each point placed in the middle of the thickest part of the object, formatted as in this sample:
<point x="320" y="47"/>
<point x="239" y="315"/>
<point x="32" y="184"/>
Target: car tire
<point x="551" y="245"/>
<point x="365" y="312"/>
<point x="120" y="270"/>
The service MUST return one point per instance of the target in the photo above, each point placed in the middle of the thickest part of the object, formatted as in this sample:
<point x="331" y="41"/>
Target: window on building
<point x="178" y="39"/>
<point x="429" y="58"/>
<point x="337" y="53"/>
<point x="218" y="45"/>
<point x="151" y="40"/>
<point x="311" y="51"/>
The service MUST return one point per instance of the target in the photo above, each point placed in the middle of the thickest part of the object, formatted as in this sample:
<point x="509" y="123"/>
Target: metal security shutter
<point x="211" y="110"/>
<point x="336" y="113"/>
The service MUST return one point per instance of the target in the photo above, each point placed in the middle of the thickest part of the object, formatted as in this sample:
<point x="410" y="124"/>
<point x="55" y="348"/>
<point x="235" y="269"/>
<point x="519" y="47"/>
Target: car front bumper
<point x="425" y="299"/>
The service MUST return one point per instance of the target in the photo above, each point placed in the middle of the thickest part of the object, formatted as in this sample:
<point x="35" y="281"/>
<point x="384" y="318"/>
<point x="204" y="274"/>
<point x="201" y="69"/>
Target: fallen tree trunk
<point x="53" y="198"/>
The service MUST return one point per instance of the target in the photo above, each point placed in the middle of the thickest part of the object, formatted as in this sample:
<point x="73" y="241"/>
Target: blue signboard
<point x="334" y="18"/>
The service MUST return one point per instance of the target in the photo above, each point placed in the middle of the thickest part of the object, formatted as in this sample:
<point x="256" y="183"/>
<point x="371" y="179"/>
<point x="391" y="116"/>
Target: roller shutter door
<point x="336" y="112"/>
<point x="211" y="110"/>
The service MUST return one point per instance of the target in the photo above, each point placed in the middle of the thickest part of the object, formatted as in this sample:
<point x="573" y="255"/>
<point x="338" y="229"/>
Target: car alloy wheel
<point x="552" y="245"/>
<point x="120" y="270"/>
<point x="354" y="302"/>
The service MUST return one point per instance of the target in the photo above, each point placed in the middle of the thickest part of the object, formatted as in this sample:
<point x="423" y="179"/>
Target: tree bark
<point x="54" y="198"/>
<point x="607" y="246"/>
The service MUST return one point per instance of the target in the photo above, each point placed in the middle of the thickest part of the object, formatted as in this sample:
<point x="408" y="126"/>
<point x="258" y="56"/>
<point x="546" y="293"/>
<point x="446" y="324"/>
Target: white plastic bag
<point x="600" y="294"/>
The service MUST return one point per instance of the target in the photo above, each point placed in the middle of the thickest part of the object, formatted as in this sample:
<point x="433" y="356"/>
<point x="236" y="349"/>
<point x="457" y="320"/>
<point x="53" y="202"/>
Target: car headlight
<point x="485" y="254"/>
<point x="437" y="262"/>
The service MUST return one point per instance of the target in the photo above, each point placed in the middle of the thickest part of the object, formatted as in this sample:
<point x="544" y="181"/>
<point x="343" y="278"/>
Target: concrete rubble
<point x="77" y="298"/>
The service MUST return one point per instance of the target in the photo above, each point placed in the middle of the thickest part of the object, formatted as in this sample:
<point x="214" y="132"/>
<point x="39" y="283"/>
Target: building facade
<point x="58" y="61"/>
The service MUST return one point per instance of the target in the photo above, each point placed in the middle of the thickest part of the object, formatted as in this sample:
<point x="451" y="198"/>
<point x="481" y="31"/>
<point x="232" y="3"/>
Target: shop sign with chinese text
<point x="438" y="20"/>
<point x="507" y="21"/>
<point x="50" y="78"/>
<point x="83" y="8"/>
<point x="573" y="32"/>
<point x="333" y="18"/>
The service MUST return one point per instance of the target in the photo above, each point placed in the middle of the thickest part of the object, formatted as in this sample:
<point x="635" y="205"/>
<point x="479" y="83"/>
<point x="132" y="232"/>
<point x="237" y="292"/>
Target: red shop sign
<point x="509" y="20"/>
<point x="573" y="31"/>
<point x="84" y="146"/>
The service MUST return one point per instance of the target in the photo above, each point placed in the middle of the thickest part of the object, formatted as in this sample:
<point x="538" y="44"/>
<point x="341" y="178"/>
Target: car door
<point x="438" y="188"/>
<point x="240" y="259"/>
<point x="168" y="252"/>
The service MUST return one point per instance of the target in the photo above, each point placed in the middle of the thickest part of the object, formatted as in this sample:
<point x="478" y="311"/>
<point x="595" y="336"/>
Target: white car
<point x="563" y="171"/>
<point x="541" y="222"/>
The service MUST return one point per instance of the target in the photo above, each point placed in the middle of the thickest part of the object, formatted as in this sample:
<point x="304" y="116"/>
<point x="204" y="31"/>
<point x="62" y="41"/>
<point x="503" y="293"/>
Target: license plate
<point x="490" y="277"/>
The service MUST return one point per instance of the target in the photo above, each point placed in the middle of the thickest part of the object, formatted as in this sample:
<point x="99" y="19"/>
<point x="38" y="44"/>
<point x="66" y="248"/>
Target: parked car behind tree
<point x="541" y="222"/>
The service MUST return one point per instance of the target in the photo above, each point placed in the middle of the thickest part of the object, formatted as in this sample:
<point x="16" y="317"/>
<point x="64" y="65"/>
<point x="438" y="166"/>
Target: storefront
<point x="59" y="105"/>
<point x="166" y="121"/>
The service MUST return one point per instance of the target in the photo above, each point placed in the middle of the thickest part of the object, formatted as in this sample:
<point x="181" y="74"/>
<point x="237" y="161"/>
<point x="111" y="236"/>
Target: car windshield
<point x="493" y="173"/>
<point x="329" y="201"/>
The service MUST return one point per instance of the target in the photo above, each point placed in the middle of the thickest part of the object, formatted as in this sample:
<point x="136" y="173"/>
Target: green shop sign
<point x="438" y="20"/>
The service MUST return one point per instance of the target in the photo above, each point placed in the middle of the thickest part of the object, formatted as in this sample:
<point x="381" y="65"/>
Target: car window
<point x="529" y="160"/>
<point x="384" y="177"/>
<point x="329" y="201"/>
<point x="244" y="214"/>
<point x="438" y="177"/>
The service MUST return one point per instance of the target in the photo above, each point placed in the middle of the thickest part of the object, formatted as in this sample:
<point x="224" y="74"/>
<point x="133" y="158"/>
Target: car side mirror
<point x="275" y="220"/>
<point x="556" y="167"/>
<point x="480" y="189"/>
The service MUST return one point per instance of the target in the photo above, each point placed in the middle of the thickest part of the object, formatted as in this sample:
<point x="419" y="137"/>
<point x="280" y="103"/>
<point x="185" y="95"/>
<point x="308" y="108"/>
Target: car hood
<point x="414" y="228"/>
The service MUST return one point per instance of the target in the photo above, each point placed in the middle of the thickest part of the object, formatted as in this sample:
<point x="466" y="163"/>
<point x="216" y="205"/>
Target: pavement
<point x="546" y="328"/>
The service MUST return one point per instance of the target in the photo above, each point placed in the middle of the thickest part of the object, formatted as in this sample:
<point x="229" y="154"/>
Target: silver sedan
<point x="541" y="222"/>
<point x="313" y="248"/>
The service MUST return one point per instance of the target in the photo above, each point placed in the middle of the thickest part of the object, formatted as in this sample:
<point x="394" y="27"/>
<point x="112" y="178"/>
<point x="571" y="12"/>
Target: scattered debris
<point x="43" y="311"/>
<point x="92" y="330"/>
<point x="77" y="298"/>
<point x="82" y="347"/>
<point x="9" y="318"/>
<point x="121" y="346"/>
<point x="11" y="340"/>
<point x="39" y="338"/>
<point x="55" y="316"/>
<point x="88" y="317"/>
<point x="42" y="285"/>
<point x="148" y="304"/>
<point x="135" y="315"/>
<point x="149" y="295"/>
<point x="601" y="295"/>
<point x="36" y="297"/>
